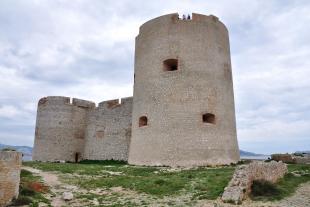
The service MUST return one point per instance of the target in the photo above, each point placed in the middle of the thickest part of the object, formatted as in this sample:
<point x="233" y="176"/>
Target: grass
<point x="156" y="184"/>
<point x="286" y="186"/>
<point x="202" y="183"/>
<point x="31" y="190"/>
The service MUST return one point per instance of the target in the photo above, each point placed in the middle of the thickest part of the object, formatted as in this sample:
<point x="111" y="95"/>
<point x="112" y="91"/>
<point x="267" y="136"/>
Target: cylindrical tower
<point x="60" y="129"/>
<point x="183" y="107"/>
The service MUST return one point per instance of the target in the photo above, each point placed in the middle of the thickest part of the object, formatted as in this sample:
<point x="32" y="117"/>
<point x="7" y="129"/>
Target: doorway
<point x="76" y="157"/>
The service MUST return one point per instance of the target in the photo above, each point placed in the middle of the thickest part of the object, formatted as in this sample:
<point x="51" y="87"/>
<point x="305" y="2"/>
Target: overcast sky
<point x="85" y="49"/>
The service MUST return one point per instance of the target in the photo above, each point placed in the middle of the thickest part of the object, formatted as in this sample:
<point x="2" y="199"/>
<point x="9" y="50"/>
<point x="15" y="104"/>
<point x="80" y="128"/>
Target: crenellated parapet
<point x="83" y="103"/>
<point x="176" y="19"/>
<point x="111" y="104"/>
<point x="62" y="100"/>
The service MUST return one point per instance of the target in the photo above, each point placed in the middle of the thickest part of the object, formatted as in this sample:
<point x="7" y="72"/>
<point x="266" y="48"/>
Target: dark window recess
<point x="170" y="65"/>
<point x="142" y="121"/>
<point x="208" y="118"/>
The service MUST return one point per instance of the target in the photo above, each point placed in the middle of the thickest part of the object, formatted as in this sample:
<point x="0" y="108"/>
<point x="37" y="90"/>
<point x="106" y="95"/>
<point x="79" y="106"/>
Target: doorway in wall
<point x="76" y="157"/>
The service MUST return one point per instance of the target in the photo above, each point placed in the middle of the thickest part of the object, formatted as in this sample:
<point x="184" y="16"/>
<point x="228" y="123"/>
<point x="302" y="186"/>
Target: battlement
<point x="175" y="18"/>
<point x="111" y="104"/>
<point x="54" y="100"/>
<point x="62" y="100"/>
<point x="83" y="103"/>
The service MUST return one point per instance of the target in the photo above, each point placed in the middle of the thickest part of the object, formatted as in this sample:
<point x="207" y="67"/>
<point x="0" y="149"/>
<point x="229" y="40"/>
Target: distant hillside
<point x="27" y="151"/>
<point x="245" y="153"/>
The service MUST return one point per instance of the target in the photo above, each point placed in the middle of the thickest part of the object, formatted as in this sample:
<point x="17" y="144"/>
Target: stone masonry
<point x="181" y="114"/>
<point x="240" y="185"/>
<point x="75" y="130"/>
<point x="109" y="130"/>
<point x="183" y="87"/>
<point x="10" y="165"/>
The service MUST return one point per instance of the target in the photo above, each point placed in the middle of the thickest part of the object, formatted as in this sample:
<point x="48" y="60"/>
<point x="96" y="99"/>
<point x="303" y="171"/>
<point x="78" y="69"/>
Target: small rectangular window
<point x="208" y="118"/>
<point x="142" y="121"/>
<point x="170" y="65"/>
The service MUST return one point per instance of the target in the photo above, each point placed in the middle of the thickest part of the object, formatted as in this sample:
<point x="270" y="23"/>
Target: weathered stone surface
<point x="291" y="158"/>
<point x="67" y="196"/>
<point x="60" y="128"/>
<point x="240" y="185"/>
<point x="302" y="160"/>
<point x="109" y="131"/>
<point x="286" y="158"/>
<point x="175" y="101"/>
<point x="10" y="165"/>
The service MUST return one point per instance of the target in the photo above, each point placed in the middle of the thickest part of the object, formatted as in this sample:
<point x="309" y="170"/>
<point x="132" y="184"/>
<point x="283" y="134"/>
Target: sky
<point x="85" y="49"/>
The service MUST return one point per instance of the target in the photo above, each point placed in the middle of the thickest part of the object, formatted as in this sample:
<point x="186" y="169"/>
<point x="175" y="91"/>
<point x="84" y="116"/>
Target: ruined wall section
<point x="60" y="128"/>
<point x="174" y="101"/>
<point x="10" y="165"/>
<point x="109" y="131"/>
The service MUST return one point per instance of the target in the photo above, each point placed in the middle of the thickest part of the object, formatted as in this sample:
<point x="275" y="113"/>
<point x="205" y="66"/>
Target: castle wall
<point x="60" y="128"/>
<point x="174" y="101"/>
<point x="109" y="130"/>
<point x="10" y="165"/>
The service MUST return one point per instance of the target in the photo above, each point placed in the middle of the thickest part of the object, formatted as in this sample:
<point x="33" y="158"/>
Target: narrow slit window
<point x="208" y="118"/>
<point x="170" y="65"/>
<point x="142" y="121"/>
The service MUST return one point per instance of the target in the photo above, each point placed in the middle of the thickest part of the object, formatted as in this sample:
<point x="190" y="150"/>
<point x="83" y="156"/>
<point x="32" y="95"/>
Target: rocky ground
<point x="63" y="194"/>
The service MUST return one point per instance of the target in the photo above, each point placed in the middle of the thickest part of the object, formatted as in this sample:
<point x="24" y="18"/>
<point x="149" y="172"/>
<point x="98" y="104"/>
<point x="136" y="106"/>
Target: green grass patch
<point x="286" y="186"/>
<point x="31" y="190"/>
<point x="202" y="183"/>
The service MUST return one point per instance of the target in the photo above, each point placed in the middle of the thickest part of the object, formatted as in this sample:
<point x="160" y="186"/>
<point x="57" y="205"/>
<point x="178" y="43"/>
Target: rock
<point x="67" y="196"/>
<point x="95" y="202"/>
<point x="240" y="185"/>
<point x="233" y="195"/>
<point x="42" y="204"/>
<point x="117" y="189"/>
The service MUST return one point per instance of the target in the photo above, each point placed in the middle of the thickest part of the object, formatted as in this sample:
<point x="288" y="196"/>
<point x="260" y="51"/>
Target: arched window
<point x="142" y="121"/>
<point x="170" y="64"/>
<point x="208" y="118"/>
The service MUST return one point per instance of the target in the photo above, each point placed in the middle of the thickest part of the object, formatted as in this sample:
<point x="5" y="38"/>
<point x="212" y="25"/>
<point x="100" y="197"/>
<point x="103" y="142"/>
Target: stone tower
<point x="183" y="105"/>
<point x="60" y="128"/>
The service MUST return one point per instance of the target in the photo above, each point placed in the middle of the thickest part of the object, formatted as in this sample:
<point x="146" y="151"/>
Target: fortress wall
<point x="174" y="101"/>
<point x="10" y="165"/>
<point x="60" y="128"/>
<point x="109" y="131"/>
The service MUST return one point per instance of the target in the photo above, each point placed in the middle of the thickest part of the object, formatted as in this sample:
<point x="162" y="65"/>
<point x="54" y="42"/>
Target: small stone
<point x="96" y="202"/>
<point x="116" y="189"/>
<point x="67" y="196"/>
<point x="42" y="204"/>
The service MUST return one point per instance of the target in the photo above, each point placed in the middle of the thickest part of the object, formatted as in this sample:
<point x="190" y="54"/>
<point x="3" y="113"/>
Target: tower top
<point x="176" y="18"/>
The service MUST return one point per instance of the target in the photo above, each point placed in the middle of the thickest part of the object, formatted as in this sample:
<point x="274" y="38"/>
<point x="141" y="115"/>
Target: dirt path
<point x="301" y="198"/>
<point x="56" y="187"/>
